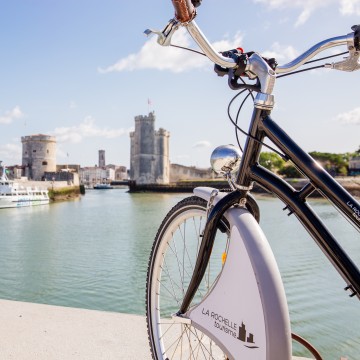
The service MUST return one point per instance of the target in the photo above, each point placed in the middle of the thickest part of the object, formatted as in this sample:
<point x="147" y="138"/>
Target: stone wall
<point x="181" y="172"/>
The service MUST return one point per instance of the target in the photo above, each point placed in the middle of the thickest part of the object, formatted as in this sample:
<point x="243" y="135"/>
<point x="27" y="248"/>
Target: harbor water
<point x="92" y="253"/>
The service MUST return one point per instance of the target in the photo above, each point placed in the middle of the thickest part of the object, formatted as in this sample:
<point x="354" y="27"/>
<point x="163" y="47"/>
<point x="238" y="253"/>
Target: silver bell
<point x="225" y="159"/>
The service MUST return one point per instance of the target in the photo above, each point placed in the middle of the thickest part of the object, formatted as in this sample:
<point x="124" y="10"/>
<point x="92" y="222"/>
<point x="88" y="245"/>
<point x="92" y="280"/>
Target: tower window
<point x="44" y="163"/>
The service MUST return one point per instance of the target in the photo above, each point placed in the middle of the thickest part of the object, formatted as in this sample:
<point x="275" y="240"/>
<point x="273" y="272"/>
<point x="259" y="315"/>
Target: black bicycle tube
<point x="313" y="224"/>
<point x="317" y="175"/>
<point x="252" y="149"/>
<point x="262" y="125"/>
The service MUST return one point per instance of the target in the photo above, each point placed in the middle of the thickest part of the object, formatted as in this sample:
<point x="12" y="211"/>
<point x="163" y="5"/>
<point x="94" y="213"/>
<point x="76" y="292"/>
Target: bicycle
<point x="213" y="286"/>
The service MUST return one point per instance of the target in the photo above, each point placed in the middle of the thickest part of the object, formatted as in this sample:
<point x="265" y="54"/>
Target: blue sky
<point x="82" y="70"/>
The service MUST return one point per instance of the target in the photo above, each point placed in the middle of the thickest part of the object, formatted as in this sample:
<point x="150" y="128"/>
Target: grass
<point x="64" y="193"/>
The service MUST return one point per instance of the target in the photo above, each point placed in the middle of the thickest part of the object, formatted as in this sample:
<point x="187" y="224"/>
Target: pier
<point x="42" y="332"/>
<point x="35" y="331"/>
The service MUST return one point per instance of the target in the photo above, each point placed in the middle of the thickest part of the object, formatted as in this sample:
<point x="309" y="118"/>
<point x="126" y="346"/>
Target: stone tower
<point x="149" y="153"/>
<point x="38" y="155"/>
<point x="102" y="158"/>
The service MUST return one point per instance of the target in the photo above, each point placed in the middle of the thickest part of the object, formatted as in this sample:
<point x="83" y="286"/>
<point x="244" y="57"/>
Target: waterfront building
<point x="68" y="167"/>
<point x="354" y="166"/>
<point x="149" y="152"/>
<point x="121" y="172"/>
<point x="69" y="176"/>
<point x="14" y="172"/>
<point x="92" y="175"/>
<point x="38" y="155"/>
<point x="102" y="173"/>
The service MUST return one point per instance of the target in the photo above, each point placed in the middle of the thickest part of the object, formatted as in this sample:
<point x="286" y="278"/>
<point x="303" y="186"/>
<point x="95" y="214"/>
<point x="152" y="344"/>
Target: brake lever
<point x="351" y="63"/>
<point x="164" y="36"/>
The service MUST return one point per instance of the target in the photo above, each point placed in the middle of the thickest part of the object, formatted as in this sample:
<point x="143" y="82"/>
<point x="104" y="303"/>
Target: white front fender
<point x="246" y="312"/>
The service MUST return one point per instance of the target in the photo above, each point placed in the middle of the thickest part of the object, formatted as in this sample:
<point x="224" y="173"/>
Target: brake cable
<point x="189" y="49"/>
<point x="238" y="128"/>
<point x="314" y="67"/>
<point x="250" y="89"/>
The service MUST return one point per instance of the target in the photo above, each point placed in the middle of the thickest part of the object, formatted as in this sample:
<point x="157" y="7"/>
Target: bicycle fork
<point x="245" y="312"/>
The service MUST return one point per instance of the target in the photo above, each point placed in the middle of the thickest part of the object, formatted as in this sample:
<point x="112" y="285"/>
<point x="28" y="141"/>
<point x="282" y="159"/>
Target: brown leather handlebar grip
<point x="184" y="10"/>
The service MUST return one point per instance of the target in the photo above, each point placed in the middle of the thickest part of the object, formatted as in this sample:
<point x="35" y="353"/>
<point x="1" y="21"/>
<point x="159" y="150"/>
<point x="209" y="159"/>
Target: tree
<point x="290" y="171"/>
<point x="335" y="164"/>
<point x="271" y="161"/>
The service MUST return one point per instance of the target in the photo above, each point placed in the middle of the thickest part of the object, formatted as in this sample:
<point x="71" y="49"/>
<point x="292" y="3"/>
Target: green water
<point x="93" y="253"/>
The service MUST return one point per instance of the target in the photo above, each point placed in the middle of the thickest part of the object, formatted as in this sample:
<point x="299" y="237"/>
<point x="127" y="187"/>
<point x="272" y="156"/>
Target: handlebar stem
<point x="258" y="67"/>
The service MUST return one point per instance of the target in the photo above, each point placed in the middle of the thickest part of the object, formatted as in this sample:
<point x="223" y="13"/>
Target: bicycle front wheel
<point x="171" y="265"/>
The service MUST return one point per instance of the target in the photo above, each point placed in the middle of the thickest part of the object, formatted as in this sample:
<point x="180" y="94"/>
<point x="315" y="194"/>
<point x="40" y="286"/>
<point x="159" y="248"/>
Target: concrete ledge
<point x="44" y="332"/>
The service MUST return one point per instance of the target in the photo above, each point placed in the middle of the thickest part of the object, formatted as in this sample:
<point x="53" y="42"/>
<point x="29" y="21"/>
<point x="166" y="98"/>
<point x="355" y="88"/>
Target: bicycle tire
<point x="170" y="267"/>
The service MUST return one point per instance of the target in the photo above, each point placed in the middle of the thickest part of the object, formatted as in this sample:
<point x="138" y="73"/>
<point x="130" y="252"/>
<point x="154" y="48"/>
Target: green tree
<point x="290" y="171"/>
<point x="335" y="164"/>
<point x="271" y="161"/>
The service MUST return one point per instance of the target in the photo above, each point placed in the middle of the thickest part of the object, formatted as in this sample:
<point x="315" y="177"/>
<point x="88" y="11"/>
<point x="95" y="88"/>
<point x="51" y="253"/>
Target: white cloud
<point x="11" y="115"/>
<point x="86" y="129"/>
<point x="350" y="7"/>
<point x="202" y="144"/>
<point x="280" y="52"/>
<point x="351" y="117"/>
<point x="154" y="56"/>
<point x="308" y="7"/>
<point x="11" y="152"/>
<point x="303" y="17"/>
<point x="72" y="105"/>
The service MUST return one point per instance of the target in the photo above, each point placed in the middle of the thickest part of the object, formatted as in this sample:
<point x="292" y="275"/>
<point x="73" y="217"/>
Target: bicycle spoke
<point x="171" y="267"/>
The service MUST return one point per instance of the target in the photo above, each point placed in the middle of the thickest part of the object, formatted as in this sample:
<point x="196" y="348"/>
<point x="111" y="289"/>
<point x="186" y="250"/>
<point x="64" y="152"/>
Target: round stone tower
<point x="38" y="155"/>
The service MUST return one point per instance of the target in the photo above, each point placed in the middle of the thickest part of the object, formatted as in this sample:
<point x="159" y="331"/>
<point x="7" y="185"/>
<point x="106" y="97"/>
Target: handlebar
<point x="207" y="48"/>
<point x="319" y="47"/>
<point x="185" y="13"/>
<point x="255" y="66"/>
<point x="229" y="63"/>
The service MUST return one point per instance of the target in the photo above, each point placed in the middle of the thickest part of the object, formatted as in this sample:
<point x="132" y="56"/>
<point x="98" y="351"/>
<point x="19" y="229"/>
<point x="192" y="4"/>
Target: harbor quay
<point x="46" y="332"/>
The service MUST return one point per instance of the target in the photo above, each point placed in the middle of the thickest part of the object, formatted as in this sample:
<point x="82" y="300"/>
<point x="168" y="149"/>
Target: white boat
<point x="12" y="194"/>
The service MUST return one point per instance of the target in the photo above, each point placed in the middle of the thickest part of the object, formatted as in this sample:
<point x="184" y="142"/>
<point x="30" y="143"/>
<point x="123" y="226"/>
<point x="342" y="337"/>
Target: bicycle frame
<point x="248" y="289"/>
<point x="262" y="126"/>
